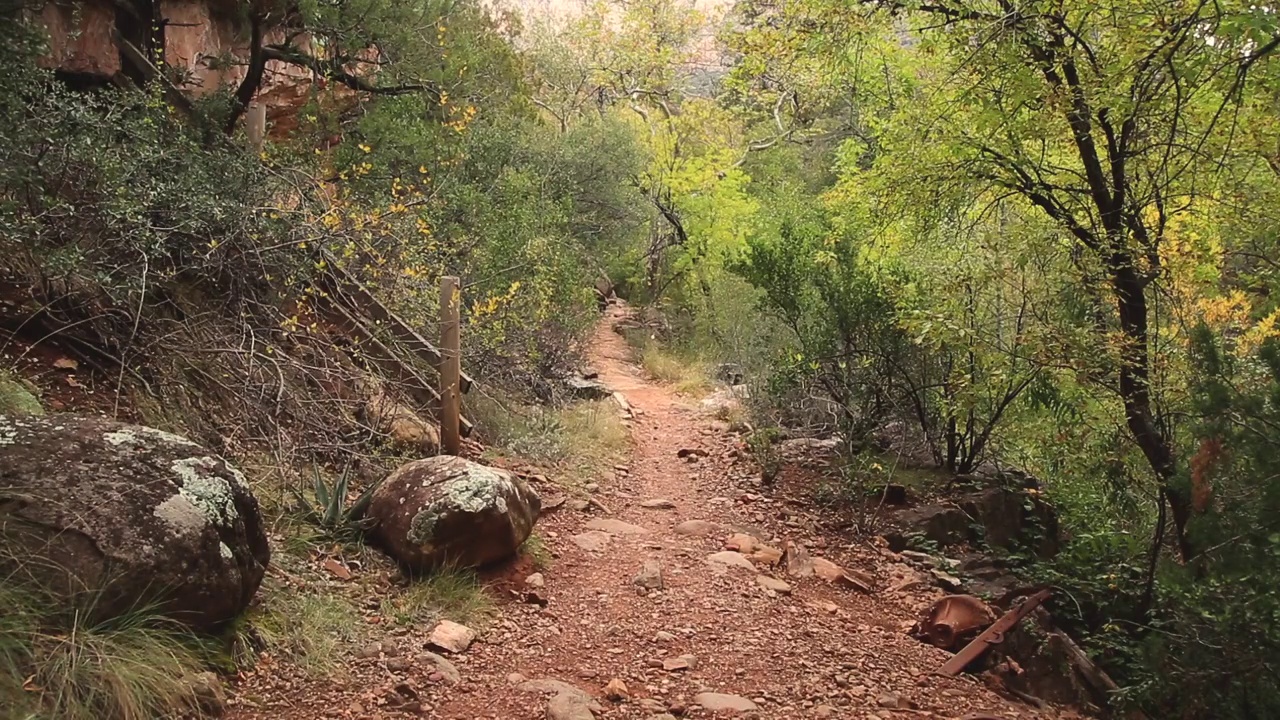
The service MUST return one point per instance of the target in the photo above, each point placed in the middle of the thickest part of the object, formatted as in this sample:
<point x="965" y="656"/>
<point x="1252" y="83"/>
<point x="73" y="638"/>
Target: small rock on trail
<point x="650" y="575"/>
<point x="451" y="637"/>
<point x="447" y="669"/>
<point x="726" y="559"/>
<point x="616" y="527"/>
<point x="721" y="702"/>
<point x="592" y="540"/>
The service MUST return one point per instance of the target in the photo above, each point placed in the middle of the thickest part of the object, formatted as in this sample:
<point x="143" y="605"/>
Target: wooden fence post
<point x="450" y="367"/>
<point x="256" y="124"/>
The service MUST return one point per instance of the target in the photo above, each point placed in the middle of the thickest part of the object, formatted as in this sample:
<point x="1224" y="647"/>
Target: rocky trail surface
<point x="668" y="597"/>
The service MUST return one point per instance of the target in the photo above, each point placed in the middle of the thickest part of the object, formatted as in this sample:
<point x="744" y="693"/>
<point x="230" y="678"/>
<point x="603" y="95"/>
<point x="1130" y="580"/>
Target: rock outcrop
<point x="114" y="516"/>
<point x="403" y="428"/>
<point x="1002" y="517"/>
<point x="447" y="511"/>
<point x="17" y="399"/>
<point x="199" y="36"/>
<point x="942" y="524"/>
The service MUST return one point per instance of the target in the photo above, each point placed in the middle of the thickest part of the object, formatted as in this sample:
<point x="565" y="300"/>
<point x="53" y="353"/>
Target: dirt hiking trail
<point x="792" y="648"/>
<point x="648" y="615"/>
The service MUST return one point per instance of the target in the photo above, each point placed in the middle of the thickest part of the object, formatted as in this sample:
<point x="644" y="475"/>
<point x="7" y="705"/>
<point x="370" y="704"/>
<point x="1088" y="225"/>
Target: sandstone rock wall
<point x="204" y="45"/>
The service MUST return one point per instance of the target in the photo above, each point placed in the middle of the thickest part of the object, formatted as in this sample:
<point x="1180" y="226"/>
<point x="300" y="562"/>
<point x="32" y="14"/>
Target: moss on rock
<point x="16" y="398"/>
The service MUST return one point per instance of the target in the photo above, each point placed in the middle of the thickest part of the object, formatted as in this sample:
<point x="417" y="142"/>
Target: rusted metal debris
<point x="993" y="635"/>
<point x="952" y="620"/>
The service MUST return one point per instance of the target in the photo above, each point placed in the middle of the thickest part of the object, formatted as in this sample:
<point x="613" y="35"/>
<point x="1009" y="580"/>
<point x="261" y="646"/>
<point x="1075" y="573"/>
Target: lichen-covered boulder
<point x="113" y="516"/>
<point x="447" y="511"/>
<point x="16" y="398"/>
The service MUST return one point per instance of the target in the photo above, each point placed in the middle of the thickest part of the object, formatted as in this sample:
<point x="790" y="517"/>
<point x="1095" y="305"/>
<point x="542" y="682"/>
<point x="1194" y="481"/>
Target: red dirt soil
<point x="821" y="651"/>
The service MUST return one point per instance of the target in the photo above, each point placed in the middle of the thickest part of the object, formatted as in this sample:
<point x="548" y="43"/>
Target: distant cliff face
<point x="204" y="49"/>
<point x="205" y="46"/>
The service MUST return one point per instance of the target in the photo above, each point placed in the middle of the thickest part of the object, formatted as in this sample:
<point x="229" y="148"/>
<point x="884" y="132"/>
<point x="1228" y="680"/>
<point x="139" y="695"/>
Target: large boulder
<point x="117" y="516"/>
<point x="1013" y="517"/>
<point x="16" y="398"/>
<point x="941" y="525"/>
<point x="447" y="511"/>
<point x="403" y="428"/>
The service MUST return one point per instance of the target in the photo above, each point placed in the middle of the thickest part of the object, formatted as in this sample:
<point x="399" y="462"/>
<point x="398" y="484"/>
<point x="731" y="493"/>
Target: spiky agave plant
<point x="329" y="510"/>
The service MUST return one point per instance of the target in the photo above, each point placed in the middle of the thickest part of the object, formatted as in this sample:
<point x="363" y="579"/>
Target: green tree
<point x="1109" y="120"/>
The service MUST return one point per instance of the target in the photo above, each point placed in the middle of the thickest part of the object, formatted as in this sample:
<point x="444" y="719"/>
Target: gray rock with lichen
<point x="113" y="516"/>
<point x="450" y="511"/>
<point x="16" y="398"/>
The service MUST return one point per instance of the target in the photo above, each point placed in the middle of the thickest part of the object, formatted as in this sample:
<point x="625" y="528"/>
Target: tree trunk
<point x="1135" y="391"/>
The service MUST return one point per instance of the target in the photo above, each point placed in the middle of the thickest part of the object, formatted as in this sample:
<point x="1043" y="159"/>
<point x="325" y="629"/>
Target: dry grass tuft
<point x="686" y="375"/>
<point x="310" y="628"/>
<point x="448" y="594"/>
<point x="138" y="666"/>
<point x="580" y="440"/>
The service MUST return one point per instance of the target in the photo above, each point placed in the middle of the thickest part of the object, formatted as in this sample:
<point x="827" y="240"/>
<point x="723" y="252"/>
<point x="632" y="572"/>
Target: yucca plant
<point x="328" y="509"/>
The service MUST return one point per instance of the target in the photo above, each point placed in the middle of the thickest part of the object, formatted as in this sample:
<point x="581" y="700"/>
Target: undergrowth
<point x="446" y="594"/>
<point x="537" y="551"/>
<point x="16" y="398"/>
<point x="685" y="374"/>
<point x="311" y="628"/>
<point x="64" y="666"/>
<point x="580" y="440"/>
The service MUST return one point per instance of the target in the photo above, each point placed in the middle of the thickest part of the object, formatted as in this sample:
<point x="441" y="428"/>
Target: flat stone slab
<point x="730" y="559"/>
<point x="773" y="584"/>
<point x="695" y="528"/>
<point x="617" y="527"/>
<point x="569" y="707"/>
<point x="551" y="686"/>
<point x="658" y="504"/>
<point x="721" y="702"/>
<point x="592" y="540"/>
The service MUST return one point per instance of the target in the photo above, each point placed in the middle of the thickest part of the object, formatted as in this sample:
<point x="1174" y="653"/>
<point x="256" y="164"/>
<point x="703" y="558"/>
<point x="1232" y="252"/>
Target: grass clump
<point x="581" y="439"/>
<point x="451" y="594"/>
<point x="685" y="375"/>
<point x="138" y="666"/>
<point x="311" y="628"/>
<point x="536" y="548"/>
